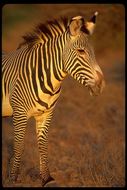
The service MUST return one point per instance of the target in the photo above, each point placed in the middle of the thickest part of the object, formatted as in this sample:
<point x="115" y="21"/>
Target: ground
<point x="86" y="137"/>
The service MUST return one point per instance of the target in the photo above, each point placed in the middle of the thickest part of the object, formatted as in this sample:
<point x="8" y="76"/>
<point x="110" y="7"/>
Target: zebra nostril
<point x="100" y="77"/>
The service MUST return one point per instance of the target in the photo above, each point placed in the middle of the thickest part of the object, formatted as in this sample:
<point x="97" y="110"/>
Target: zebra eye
<point x="81" y="51"/>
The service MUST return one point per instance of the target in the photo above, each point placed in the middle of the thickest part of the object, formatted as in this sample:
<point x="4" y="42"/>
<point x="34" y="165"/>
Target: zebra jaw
<point x="81" y="79"/>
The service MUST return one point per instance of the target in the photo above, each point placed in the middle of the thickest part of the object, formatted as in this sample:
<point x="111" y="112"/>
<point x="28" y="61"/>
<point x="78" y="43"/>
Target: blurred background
<point x="87" y="134"/>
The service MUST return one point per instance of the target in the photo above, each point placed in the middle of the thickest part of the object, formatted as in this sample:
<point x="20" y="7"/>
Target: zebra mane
<point x="43" y="29"/>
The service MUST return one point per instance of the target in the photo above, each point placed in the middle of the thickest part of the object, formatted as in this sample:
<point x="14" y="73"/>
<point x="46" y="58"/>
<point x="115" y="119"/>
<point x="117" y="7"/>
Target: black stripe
<point x="29" y="79"/>
<point x="47" y="70"/>
<point x="43" y="88"/>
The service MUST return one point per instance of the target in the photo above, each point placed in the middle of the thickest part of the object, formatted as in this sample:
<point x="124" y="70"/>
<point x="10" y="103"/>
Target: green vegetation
<point x="16" y="14"/>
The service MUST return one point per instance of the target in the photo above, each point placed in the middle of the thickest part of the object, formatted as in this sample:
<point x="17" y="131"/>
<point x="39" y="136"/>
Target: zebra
<point x="32" y="76"/>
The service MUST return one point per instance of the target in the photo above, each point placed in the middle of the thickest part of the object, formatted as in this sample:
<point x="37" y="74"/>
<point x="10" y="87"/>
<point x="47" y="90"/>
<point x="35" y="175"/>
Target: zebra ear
<point x="75" y="25"/>
<point x="90" y="25"/>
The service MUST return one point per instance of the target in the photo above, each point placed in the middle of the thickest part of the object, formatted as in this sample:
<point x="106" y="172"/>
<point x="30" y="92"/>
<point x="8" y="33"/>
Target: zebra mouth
<point x="95" y="90"/>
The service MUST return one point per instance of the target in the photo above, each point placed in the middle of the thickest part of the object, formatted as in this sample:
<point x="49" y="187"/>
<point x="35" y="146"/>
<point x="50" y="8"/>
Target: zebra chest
<point x="45" y="104"/>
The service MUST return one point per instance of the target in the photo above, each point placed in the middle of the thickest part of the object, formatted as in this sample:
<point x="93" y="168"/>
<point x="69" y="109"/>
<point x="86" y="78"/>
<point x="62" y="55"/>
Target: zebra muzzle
<point x="97" y="88"/>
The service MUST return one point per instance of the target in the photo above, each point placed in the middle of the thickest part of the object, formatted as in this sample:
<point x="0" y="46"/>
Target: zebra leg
<point x="42" y="126"/>
<point x="19" y="122"/>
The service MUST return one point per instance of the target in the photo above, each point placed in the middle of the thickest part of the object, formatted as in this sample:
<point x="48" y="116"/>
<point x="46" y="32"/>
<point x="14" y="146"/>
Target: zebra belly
<point x="6" y="107"/>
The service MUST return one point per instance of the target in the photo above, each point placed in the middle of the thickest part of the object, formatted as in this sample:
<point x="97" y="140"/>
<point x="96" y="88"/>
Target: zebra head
<point x="78" y="56"/>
